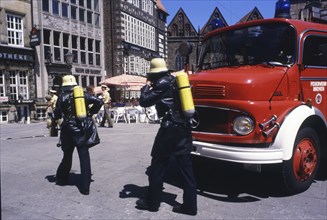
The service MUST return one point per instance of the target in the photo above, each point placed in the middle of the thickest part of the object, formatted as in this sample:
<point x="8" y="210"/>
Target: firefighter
<point x="75" y="132"/>
<point x="173" y="139"/>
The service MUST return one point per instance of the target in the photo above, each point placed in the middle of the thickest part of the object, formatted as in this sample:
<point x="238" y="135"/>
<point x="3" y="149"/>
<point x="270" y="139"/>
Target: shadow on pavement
<point x="74" y="180"/>
<point x="134" y="191"/>
<point x="228" y="182"/>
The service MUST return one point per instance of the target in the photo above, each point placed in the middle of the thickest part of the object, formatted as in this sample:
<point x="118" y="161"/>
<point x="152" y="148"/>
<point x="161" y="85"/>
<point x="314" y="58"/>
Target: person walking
<point x="174" y="138"/>
<point x="76" y="132"/>
<point x="107" y="105"/>
<point x="52" y="125"/>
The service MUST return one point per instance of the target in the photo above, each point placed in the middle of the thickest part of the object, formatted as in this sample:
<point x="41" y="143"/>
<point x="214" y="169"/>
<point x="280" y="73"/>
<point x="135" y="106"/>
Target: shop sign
<point x="25" y="101"/>
<point x="4" y="99"/>
<point x="35" y="37"/>
<point x="16" y="54"/>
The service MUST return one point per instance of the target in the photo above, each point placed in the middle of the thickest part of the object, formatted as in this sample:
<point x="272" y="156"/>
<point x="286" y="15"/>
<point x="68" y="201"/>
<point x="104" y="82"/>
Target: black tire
<point x="299" y="172"/>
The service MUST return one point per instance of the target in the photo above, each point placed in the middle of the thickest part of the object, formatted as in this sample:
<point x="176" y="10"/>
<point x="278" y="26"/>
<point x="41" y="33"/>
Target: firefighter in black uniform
<point x="173" y="139"/>
<point x="72" y="133"/>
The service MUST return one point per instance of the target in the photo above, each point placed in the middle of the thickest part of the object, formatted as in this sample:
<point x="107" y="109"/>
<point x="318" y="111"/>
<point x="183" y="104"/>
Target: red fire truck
<point x="260" y="95"/>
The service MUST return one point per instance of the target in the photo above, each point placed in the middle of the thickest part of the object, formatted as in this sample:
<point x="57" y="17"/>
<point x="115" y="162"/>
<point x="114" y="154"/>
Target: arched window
<point x="179" y="61"/>
<point x="187" y="30"/>
<point x="175" y="30"/>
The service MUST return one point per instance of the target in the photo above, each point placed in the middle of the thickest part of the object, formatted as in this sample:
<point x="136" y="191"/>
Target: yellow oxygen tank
<point x="79" y="102"/>
<point x="185" y="93"/>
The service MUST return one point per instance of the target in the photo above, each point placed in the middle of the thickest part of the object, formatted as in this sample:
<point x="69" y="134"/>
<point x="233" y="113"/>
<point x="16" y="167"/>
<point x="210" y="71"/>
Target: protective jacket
<point x="174" y="135"/>
<point x="72" y="127"/>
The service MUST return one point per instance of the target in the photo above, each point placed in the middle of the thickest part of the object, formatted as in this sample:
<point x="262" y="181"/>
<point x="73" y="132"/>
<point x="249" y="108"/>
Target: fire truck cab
<point x="260" y="94"/>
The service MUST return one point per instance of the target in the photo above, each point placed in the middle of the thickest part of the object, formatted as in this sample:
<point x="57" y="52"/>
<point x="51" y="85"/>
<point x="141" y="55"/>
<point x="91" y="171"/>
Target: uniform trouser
<point x="157" y="173"/>
<point x="106" y="116"/>
<point x="66" y="164"/>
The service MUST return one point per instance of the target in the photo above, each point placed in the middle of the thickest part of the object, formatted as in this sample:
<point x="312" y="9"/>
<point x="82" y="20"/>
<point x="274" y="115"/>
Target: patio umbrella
<point x="124" y="80"/>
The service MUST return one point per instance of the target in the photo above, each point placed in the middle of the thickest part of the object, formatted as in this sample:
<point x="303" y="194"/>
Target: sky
<point x="199" y="11"/>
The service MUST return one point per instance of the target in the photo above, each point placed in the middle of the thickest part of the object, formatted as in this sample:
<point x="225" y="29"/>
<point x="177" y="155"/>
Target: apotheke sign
<point x="14" y="56"/>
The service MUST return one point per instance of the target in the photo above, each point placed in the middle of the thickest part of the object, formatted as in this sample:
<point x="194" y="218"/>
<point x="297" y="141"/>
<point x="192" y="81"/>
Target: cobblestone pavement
<point x="29" y="159"/>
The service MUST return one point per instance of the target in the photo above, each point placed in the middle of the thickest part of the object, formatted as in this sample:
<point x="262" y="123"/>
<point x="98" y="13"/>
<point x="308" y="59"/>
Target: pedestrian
<point x="53" y="100"/>
<point x="107" y="105"/>
<point x="76" y="132"/>
<point x="52" y="125"/>
<point x="174" y="138"/>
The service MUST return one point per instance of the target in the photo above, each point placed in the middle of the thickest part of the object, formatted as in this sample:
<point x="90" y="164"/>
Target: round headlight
<point x="243" y="125"/>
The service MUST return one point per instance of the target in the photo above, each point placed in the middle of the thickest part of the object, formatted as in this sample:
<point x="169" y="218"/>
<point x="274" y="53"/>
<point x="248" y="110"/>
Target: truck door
<point x="314" y="69"/>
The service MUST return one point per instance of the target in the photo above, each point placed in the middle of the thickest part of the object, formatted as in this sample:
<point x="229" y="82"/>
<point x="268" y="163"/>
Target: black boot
<point x="143" y="204"/>
<point x="184" y="210"/>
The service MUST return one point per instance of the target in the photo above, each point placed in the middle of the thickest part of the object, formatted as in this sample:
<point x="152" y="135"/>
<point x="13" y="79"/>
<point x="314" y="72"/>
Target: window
<point x="41" y="113"/>
<point x="97" y="53"/>
<point x="73" y="11"/>
<point x="84" y="81"/>
<point x="136" y="3"/>
<point x="15" y="30"/>
<point x="3" y="116"/>
<point x="81" y="15"/>
<point x="147" y="6"/>
<point x="82" y="49"/>
<point x="75" y="48"/>
<point x="251" y="45"/>
<point x="56" y="46"/>
<point x="13" y="86"/>
<point x="2" y="83"/>
<point x="91" y="78"/>
<point x="45" y="5"/>
<point x="81" y="3"/>
<point x="55" y="7"/>
<point x="139" y="33"/>
<point x="89" y="4"/>
<point x="90" y="51"/>
<point x="96" y="5"/>
<point x="64" y="8"/>
<point x="65" y="43"/>
<point x="47" y="45"/>
<point x="179" y="61"/>
<point x="23" y="89"/>
<point x="315" y="51"/>
<point x="89" y="17"/>
<point x="98" y="79"/>
<point x="97" y="20"/>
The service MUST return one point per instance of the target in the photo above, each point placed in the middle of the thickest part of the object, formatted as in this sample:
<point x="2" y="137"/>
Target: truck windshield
<point x="267" y="43"/>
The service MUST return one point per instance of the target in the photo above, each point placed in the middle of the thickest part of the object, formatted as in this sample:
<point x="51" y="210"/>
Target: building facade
<point x="135" y="32"/>
<point x="17" y="59"/>
<point x="313" y="11"/>
<point x="69" y="26"/>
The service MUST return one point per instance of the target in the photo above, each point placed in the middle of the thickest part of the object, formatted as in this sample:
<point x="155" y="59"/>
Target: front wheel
<point x="300" y="171"/>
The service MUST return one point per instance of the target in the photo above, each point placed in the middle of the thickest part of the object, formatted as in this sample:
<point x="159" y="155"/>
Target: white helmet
<point x="68" y="80"/>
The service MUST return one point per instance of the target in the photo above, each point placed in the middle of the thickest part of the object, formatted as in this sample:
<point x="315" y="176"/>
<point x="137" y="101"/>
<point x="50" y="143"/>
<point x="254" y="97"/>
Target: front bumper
<point x="238" y="154"/>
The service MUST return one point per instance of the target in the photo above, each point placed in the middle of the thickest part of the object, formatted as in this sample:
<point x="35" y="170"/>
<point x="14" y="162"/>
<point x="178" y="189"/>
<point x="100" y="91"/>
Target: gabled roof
<point x="186" y="21"/>
<point x="254" y="14"/>
<point x="215" y="14"/>
<point x="161" y="6"/>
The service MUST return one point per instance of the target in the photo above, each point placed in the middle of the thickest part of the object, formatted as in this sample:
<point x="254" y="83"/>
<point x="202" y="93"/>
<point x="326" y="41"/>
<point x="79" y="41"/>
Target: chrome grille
<point x="215" y="120"/>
